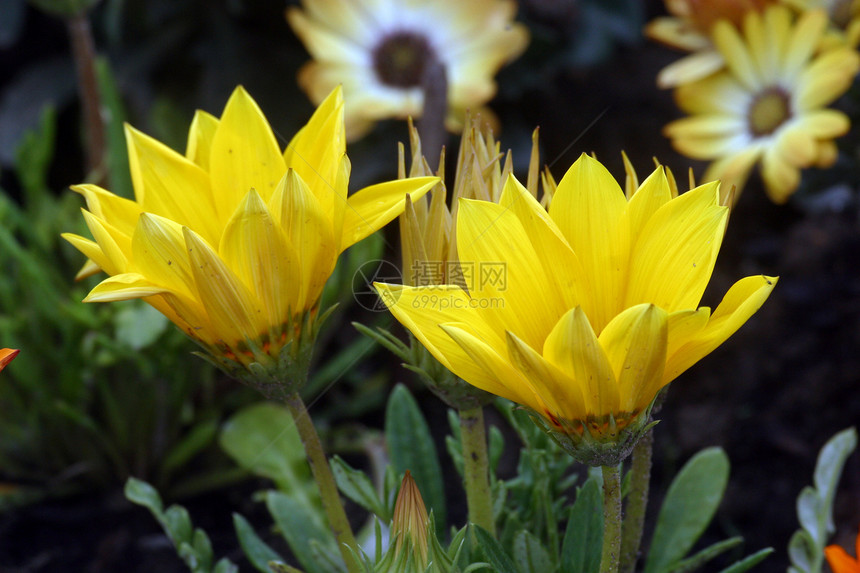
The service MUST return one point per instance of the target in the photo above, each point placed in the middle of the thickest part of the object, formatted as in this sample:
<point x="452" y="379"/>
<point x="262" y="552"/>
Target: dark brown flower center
<point x="401" y="59"/>
<point x="770" y="109"/>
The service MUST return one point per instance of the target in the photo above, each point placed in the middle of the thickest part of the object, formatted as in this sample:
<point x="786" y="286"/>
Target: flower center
<point x="401" y="58"/>
<point x="770" y="109"/>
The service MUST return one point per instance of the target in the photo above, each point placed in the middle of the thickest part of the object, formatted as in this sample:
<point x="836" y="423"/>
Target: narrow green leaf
<point x="116" y="152"/>
<point x="494" y="552"/>
<point x="690" y="504"/>
<point x="707" y="554"/>
<point x="200" y="436"/>
<point x="276" y="567"/>
<point x="357" y="486"/>
<point x="800" y="550"/>
<point x="203" y="549"/>
<point x="748" y="562"/>
<point x="530" y="555"/>
<point x="580" y="549"/>
<point x="139" y="492"/>
<point x="412" y="448"/>
<point x="256" y="550"/>
<point x="300" y="528"/>
<point x="810" y="513"/>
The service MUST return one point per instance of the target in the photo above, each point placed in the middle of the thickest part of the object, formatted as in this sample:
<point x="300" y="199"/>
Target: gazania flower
<point x="6" y="356"/>
<point x="840" y="561"/>
<point x="689" y="29"/>
<point x="769" y="103"/>
<point x="380" y="52"/>
<point x="596" y="309"/>
<point x="844" y="15"/>
<point x="234" y="240"/>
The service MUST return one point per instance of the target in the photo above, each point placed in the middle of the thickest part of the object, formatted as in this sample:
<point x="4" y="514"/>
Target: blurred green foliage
<point x="99" y="392"/>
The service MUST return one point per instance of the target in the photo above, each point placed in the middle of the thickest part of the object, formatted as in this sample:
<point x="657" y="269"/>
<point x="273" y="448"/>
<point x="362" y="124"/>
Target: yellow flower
<point x="840" y="561"/>
<point x="595" y="309"/>
<point x="379" y="51"/>
<point x="689" y="29"/>
<point x="844" y="14"/>
<point x="6" y="356"/>
<point x="235" y="240"/>
<point x="769" y="103"/>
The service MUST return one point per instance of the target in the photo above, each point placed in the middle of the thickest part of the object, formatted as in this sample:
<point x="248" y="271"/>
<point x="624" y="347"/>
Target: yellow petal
<point x="737" y="56"/>
<point x="160" y="254"/>
<point x="121" y="212"/>
<point x="635" y="343"/>
<point x="560" y="263"/>
<point x="92" y="251"/>
<point x="488" y="369"/>
<point x="168" y="184"/>
<point x="200" y="134"/>
<point x="124" y="286"/>
<point x="558" y="390"/>
<point x="373" y="207"/>
<point x="500" y="264"/>
<point x="309" y="230"/>
<point x="781" y="178"/>
<point x="674" y="257"/>
<point x="245" y="155"/>
<point x="259" y="252"/>
<point x="234" y="311"/>
<point x="316" y="151"/>
<point x="575" y="350"/>
<point x="588" y="207"/>
<point x="652" y="194"/>
<point x="740" y="303"/>
<point x="112" y="243"/>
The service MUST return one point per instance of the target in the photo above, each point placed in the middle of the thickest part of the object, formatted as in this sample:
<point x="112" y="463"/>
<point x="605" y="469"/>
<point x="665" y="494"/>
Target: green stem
<point x="637" y="502"/>
<point x="83" y="50"/>
<point x="325" y="480"/>
<point x="611" y="519"/>
<point x="476" y="476"/>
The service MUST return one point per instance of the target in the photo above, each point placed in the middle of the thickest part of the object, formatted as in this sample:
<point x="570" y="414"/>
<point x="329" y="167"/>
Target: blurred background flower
<point x="382" y="51"/>
<point x="769" y="104"/>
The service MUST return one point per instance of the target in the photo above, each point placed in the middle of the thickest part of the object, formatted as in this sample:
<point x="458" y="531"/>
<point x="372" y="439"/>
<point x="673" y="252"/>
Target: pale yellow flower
<point x="234" y="240"/>
<point x="688" y="28"/>
<point x="844" y="15"/>
<point x="597" y="308"/>
<point x="769" y="103"/>
<point x="379" y="51"/>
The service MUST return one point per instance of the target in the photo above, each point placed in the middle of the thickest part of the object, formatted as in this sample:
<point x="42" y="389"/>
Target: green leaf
<point x="256" y="550"/>
<point x="116" y="152"/>
<point x="203" y="548"/>
<point x="300" y="528"/>
<point x="224" y="565"/>
<point x="357" y="486"/>
<point x="177" y="523"/>
<point x="580" y="550"/>
<point x="494" y="552"/>
<point x="707" y="554"/>
<point x="748" y="562"/>
<point x="828" y="469"/>
<point x="200" y="436"/>
<point x="139" y="492"/>
<point x="139" y="325"/>
<point x="530" y="555"/>
<point x="690" y="504"/>
<point x="412" y="448"/>
<point x="34" y="154"/>
<point x="263" y="439"/>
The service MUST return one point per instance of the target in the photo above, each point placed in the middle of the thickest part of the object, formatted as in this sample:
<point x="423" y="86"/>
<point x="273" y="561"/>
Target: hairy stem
<point x="325" y="481"/>
<point x="476" y="476"/>
<point x="611" y="519"/>
<point x="637" y="502"/>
